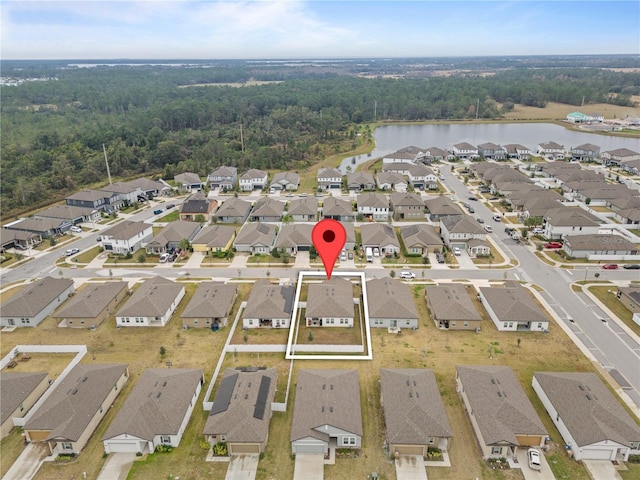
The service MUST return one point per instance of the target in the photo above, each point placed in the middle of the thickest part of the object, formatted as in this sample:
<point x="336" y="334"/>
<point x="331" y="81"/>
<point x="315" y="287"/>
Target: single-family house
<point x="327" y="412"/>
<point x="267" y="209"/>
<point x="373" y="206"/>
<point x="35" y="302"/>
<point x="232" y="210"/>
<point x="294" y="237"/>
<point x="256" y="238"/>
<point x="562" y="221"/>
<point x="391" y="181"/>
<point x="629" y="297"/>
<point x="128" y="193"/>
<point x="214" y="238"/>
<point x="422" y="177"/>
<point x="451" y="307"/>
<point x="19" y="391"/>
<point x="241" y="410"/>
<point x="71" y="413"/>
<point x="330" y="304"/>
<point x="269" y="305"/>
<point x="551" y="150"/>
<point x="18" y="239"/>
<point x="441" y="206"/>
<point x="303" y="209"/>
<point x="253" y="179"/>
<point x="501" y="415"/>
<point x="197" y="208"/>
<point x="605" y="246"/>
<point x="465" y="151"/>
<point x="407" y="206"/>
<point x="350" y="243"/>
<point x="189" y="182"/>
<point x="420" y="239"/>
<point x="170" y="236"/>
<point x="619" y="156"/>
<point x="435" y="154"/>
<point x="156" y="412"/>
<point x="593" y="424"/>
<point x="152" y="304"/>
<point x="518" y="152"/>
<point x="285" y="181"/>
<point x="72" y="214"/>
<point x="92" y="305"/>
<point x="223" y="177"/>
<point x="631" y="166"/>
<point x="398" y="167"/>
<point x="512" y="308"/>
<point x="491" y="151"/>
<point x="358" y="181"/>
<point x="391" y="304"/>
<point x="151" y="188"/>
<point x="414" y="415"/>
<point x="338" y="209"/>
<point x="44" y="227"/>
<point x="409" y="154"/>
<point x="96" y="200"/>
<point x="126" y="237"/>
<point x="210" y="306"/>
<point x="458" y="230"/>
<point x="329" y="178"/>
<point x="587" y="152"/>
<point x="381" y="236"/>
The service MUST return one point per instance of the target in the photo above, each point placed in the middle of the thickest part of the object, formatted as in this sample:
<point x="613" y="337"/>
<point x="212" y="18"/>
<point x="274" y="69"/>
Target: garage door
<point x="309" y="448"/>
<point x="588" y="454"/>
<point x="304" y="248"/>
<point x="124" y="447"/>
<point x="237" y="448"/>
<point x="409" y="449"/>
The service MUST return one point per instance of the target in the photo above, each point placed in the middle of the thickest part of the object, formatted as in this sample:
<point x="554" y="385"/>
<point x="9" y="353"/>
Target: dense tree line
<point x="53" y="131"/>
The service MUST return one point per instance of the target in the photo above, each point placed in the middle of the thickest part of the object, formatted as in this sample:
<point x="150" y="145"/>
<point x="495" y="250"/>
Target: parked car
<point x="439" y="257"/>
<point x="157" y="212"/>
<point x="471" y="210"/>
<point x="488" y="229"/>
<point x="631" y="266"/>
<point x="508" y="230"/>
<point x="164" y="258"/>
<point x="76" y="229"/>
<point x="457" y="252"/>
<point x="170" y="206"/>
<point x="350" y="255"/>
<point x="72" y="251"/>
<point x="553" y="245"/>
<point x="442" y="178"/>
<point x="610" y="266"/>
<point x="343" y="256"/>
<point x="534" y="459"/>
<point x="407" y="275"/>
<point x="466" y="205"/>
<point x="497" y="218"/>
<point x="480" y="220"/>
<point x="473" y="199"/>
<point x="537" y="231"/>
<point x="376" y="252"/>
<point x="491" y="199"/>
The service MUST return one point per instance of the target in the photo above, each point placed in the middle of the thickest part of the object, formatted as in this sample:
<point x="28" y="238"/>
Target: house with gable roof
<point x="189" y="182"/>
<point x="19" y="391"/>
<point x="517" y="151"/>
<point x="329" y="178"/>
<point x="156" y="412"/>
<point x="256" y="238"/>
<point x="491" y="151"/>
<point x="374" y="206"/>
<point x="391" y="181"/>
<point x="407" y="206"/>
<point x="241" y="410"/>
<point x="267" y="209"/>
<point x="391" y="304"/>
<point x="210" y="306"/>
<point x="197" y="204"/>
<point x="379" y="235"/>
<point x="451" y="307"/>
<point x="512" y="308"/>
<point x="214" y="238"/>
<point x="414" y="414"/>
<point x="303" y="209"/>
<point x="171" y="236"/>
<point x="223" y="177"/>
<point x="420" y="239"/>
<point x="409" y="154"/>
<point x="35" y="302"/>
<point x="465" y="151"/>
<point x="92" y="305"/>
<point x="551" y="150"/>
<point x="253" y="179"/>
<point x="295" y="237"/>
<point x="152" y="304"/>
<point x="232" y="210"/>
<point x="330" y="304"/>
<point x="126" y="237"/>
<point x="285" y="181"/>
<point x="358" y="181"/>
<point x="463" y="232"/>
<point x="501" y="415"/>
<point x="338" y="209"/>
<point x="269" y="305"/>
<point x="587" y="152"/>
<point x="327" y="413"/>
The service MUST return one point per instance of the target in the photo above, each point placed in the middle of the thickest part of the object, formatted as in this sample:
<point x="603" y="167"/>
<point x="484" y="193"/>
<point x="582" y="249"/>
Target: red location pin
<point x="329" y="237"/>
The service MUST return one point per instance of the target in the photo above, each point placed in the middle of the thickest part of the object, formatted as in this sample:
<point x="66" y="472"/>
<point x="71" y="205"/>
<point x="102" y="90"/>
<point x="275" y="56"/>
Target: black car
<point x="631" y="266"/>
<point x="171" y="205"/>
<point x="473" y="199"/>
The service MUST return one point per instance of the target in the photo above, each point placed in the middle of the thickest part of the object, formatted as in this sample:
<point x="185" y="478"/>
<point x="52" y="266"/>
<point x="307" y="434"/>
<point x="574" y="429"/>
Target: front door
<point x="11" y="322"/>
<point x="393" y="323"/>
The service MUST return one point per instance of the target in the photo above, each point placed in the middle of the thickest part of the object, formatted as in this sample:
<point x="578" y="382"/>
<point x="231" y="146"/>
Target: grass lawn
<point x="494" y="258"/>
<point x="632" y="472"/>
<point x="88" y="255"/>
<point x="170" y="217"/>
<point x="615" y="305"/>
<point x="11" y="259"/>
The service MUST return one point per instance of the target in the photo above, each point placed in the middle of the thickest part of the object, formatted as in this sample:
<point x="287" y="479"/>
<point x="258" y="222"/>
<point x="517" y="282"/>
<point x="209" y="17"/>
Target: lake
<point x="391" y="138"/>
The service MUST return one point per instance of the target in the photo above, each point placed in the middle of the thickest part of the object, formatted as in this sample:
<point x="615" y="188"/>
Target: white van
<point x="369" y="254"/>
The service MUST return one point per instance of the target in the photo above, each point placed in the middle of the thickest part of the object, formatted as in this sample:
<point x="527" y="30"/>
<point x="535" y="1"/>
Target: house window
<point x="505" y="325"/>
<point x="348" y="440"/>
<point x="21" y="407"/>
<point x="165" y="439"/>
<point x="67" y="446"/>
<point x="195" y="322"/>
<point x="466" y="324"/>
<point x="635" y="445"/>
<point x="432" y="440"/>
<point x="496" y="450"/>
<point x="250" y="322"/>
<point x="223" y="438"/>
<point x="453" y="324"/>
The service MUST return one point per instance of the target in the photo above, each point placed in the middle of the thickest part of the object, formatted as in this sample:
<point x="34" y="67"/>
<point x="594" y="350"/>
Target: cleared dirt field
<point x="554" y="111"/>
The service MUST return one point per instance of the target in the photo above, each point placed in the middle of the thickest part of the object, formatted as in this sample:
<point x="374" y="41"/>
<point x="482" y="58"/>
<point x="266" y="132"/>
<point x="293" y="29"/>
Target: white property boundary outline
<point x="290" y="355"/>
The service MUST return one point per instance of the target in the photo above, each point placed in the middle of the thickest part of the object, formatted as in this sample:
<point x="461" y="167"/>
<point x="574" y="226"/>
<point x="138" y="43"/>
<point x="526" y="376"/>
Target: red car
<point x="553" y="245"/>
<point x="610" y="266"/>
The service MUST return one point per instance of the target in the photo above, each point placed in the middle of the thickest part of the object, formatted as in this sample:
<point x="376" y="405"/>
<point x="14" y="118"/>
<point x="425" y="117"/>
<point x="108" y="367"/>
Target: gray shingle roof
<point x="256" y="234"/>
<point x="152" y="299"/>
<point x="356" y="179"/>
<point x="214" y="236"/>
<point x="402" y="199"/>
<point x="324" y="174"/>
<point x="373" y="199"/>
<point x="331" y="298"/>
<point x="35" y="297"/>
<point x="269" y="301"/>
<point x="513" y="304"/>
<point x="378" y="234"/>
<point x="420" y="234"/>
<point x="187" y="178"/>
<point x="174" y="232"/>
<point x="157" y="404"/>
<point x="65" y="212"/>
<point x="68" y="411"/>
<point x="499" y="404"/>
<point x="389" y="298"/>
<point x="333" y="206"/>
<point x="233" y="207"/>
<point x="286" y="178"/>
<point x="451" y="302"/>
<point x="599" y="242"/>
<point x="211" y="299"/>
<point x="294" y="235"/>
<point x="413" y="408"/>
<point x="572" y="217"/>
<point x="303" y="206"/>
<point x="587" y="408"/>
<point x="15" y="387"/>
<point x="89" y="195"/>
<point x="253" y="173"/>
<point x="391" y="178"/>
<point x="326" y="397"/>
<point x="125" y="230"/>
<point x="267" y="207"/>
<point x="461" y="224"/>
<point x="442" y="205"/>
<point x="237" y="419"/>
<point x="91" y="300"/>
<point x="224" y="171"/>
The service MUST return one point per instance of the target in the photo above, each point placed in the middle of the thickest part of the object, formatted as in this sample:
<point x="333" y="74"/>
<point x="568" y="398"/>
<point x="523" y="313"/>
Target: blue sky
<point x="214" y="29"/>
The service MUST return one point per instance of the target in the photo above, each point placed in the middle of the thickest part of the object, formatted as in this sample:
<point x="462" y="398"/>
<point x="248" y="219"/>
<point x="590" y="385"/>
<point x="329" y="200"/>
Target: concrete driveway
<point x="28" y="463"/>
<point x="309" y="466"/>
<point x="601" y="470"/>
<point x="410" y="467"/>
<point x="243" y="467"/>
<point x="117" y="466"/>
<point x="528" y="473"/>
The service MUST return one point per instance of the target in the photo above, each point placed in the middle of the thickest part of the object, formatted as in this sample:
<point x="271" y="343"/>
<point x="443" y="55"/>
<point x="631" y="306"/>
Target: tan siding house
<point x="18" y="393"/>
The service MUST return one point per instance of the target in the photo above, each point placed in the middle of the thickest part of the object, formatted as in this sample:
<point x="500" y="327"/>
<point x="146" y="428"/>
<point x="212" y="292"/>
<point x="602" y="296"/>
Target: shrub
<point x="142" y="257"/>
<point x="220" y="449"/>
<point x="163" y="448"/>
<point x="205" y="445"/>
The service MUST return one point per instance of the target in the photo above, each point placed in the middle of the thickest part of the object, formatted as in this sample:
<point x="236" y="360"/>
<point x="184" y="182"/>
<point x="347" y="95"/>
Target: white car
<point x="72" y="251"/>
<point x="456" y="251"/>
<point x="534" y="459"/>
<point x="76" y="229"/>
<point x="376" y="252"/>
<point x="488" y="229"/>
<point x="407" y="275"/>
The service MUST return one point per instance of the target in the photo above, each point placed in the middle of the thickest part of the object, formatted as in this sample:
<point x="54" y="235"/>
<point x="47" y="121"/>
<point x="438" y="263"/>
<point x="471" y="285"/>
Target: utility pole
<point x="104" y="150"/>
<point x="241" y="139"/>
<point x="375" y="109"/>
<point x="477" y="108"/>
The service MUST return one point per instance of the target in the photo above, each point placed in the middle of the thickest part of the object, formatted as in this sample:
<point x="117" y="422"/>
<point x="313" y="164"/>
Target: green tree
<point x="200" y="218"/>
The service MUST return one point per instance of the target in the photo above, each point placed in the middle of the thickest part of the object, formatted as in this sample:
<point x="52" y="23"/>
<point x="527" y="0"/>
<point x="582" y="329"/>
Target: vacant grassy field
<point x="426" y="347"/>
<point x="555" y="110"/>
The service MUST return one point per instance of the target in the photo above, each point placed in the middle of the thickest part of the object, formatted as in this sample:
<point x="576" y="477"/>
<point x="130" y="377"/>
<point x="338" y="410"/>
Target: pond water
<point x="391" y="138"/>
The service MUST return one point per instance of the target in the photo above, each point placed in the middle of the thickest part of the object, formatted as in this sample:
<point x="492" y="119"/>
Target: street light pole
<point x="586" y="272"/>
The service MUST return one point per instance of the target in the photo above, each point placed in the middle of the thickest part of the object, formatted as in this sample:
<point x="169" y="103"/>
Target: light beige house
<point x="500" y="413"/>
<point x="512" y="308"/>
<point x="92" y="305"/>
<point x="420" y="239"/>
<point x="269" y="305"/>
<point x="18" y="393"/>
<point x="214" y="238"/>
<point x="210" y="306"/>
<point x="241" y="410"/>
<point x="391" y="304"/>
<point x="407" y="206"/>
<point x="256" y="238"/>
<point x="70" y="415"/>
<point x="330" y="304"/>
<point x="152" y="304"/>
<point x="294" y="237"/>
<point x="451" y="307"/>
<point x="414" y="415"/>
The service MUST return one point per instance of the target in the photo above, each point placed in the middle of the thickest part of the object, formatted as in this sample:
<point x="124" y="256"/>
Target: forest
<point x="159" y="120"/>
